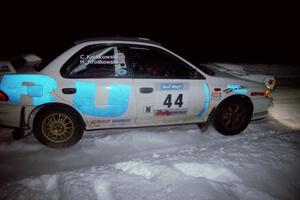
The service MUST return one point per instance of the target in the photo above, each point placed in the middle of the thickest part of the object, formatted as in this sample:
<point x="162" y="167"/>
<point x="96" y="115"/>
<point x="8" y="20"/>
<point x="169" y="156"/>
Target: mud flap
<point x="21" y="132"/>
<point x="204" y="126"/>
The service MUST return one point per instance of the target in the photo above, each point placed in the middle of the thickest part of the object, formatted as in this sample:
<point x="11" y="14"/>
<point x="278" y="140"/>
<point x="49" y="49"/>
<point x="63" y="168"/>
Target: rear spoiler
<point x="26" y="60"/>
<point x="6" y="68"/>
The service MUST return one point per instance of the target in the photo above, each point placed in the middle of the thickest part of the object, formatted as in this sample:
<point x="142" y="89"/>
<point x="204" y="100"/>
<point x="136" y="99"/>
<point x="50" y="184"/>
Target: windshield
<point x="205" y="69"/>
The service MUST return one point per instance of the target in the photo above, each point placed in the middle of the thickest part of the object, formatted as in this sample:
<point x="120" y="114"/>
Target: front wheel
<point x="57" y="127"/>
<point x="233" y="116"/>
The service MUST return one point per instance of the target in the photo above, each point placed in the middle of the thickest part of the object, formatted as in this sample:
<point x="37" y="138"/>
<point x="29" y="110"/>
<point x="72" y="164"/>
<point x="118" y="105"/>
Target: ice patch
<point x="207" y="171"/>
<point x="103" y="190"/>
<point x="139" y="168"/>
<point x="155" y="156"/>
<point x="44" y="182"/>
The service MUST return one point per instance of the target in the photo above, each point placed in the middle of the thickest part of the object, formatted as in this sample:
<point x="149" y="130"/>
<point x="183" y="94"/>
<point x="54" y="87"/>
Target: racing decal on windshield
<point x="39" y="87"/>
<point x="171" y="86"/>
<point x="85" y="97"/>
<point x="236" y="89"/>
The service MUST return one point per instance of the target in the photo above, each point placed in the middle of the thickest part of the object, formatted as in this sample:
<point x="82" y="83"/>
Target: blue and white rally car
<point x="122" y="82"/>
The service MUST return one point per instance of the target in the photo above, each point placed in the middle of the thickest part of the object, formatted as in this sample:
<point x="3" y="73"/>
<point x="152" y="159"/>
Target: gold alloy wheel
<point x="58" y="127"/>
<point x="233" y="117"/>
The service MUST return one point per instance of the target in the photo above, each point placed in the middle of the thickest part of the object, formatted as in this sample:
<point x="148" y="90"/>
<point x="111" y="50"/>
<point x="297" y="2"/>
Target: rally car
<point x="125" y="82"/>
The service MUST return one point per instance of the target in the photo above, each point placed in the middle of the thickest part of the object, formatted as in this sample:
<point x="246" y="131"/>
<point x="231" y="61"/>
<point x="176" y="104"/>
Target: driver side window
<point x="96" y="61"/>
<point x="149" y="62"/>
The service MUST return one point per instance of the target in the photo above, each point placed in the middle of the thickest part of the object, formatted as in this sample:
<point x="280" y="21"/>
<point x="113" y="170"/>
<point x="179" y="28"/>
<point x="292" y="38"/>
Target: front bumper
<point x="10" y="115"/>
<point x="261" y="107"/>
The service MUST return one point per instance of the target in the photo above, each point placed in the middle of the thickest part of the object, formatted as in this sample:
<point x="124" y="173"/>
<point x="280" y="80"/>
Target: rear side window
<point x="96" y="61"/>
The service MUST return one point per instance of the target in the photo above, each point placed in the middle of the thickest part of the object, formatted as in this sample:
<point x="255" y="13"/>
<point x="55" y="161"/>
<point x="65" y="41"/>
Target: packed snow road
<point x="176" y="162"/>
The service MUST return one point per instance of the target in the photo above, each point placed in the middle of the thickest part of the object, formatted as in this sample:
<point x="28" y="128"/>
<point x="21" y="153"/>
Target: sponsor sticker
<point x="108" y="121"/>
<point x="148" y="109"/>
<point x="216" y="94"/>
<point x="227" y="90"/>
<point x="236" y="89"/>
<point x="121" y="120"/>
<point x="171" y="86"/>
<point x="257" y="93"/>
<point x="100" y="121"/>
<point x="121" y="71"/>
<point x="170" y="112"/>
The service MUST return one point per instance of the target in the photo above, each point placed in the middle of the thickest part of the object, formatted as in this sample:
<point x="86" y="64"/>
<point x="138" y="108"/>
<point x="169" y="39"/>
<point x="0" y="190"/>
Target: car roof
<point x="117" y="39"/>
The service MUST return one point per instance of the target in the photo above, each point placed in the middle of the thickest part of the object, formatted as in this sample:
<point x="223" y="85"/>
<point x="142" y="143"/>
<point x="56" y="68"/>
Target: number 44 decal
<point x="178" y="101"/>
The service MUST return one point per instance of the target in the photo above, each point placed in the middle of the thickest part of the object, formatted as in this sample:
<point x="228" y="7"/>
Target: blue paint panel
<point x="206" y="101"/>
<point x="85" y="98"/>
<point x="35" y="91"/>
<point x="39" y="87"/>
<point x="237" y="89"/>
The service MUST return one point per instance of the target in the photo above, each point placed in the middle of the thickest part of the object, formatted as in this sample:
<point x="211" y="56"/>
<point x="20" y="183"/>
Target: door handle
<point x="146" y="90"/>
<point x="69" y="90"/>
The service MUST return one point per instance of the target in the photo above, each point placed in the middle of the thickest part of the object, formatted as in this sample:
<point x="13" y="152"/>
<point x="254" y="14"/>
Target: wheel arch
<point x="38" y="109"/>
<point x="237" y="96"/>
<point x="242" y="125"/>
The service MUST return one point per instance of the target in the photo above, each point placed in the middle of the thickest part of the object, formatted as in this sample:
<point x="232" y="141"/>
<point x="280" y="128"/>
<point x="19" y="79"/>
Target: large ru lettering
<point x="117" y="104"/>
<point x="41" y="87"/>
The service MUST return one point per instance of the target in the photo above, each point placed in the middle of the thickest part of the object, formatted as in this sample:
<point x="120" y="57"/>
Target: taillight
<point x="3" y="96"/>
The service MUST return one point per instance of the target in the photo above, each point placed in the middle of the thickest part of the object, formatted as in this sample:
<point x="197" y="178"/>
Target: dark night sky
<point x="240" y="33"/>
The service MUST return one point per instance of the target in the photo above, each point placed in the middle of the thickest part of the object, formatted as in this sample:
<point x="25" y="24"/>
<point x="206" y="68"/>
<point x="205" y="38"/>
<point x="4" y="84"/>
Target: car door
<point x="97" y="82"/>
<point x="168" y="90"/>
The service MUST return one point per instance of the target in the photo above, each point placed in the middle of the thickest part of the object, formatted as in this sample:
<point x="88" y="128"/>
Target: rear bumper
<point x="10" y="115"/>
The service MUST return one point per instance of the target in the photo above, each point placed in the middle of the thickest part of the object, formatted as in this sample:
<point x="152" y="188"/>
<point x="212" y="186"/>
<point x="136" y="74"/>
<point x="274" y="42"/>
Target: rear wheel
<point x="233" y="116"/>
<point x="58" y="127"/>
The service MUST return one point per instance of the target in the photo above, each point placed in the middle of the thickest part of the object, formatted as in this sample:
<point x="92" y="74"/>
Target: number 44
<point x="178" y="101"/>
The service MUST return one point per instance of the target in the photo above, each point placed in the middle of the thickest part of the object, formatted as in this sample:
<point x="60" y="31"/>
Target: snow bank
<point x="170" y="163"/>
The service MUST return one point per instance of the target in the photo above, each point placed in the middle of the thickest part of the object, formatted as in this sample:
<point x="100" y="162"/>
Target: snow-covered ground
<point x="176" y="162"/>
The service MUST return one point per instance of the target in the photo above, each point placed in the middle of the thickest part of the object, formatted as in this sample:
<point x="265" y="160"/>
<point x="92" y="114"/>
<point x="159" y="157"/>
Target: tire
<point x="233" y="116"/>
<point x="58" y="126"/>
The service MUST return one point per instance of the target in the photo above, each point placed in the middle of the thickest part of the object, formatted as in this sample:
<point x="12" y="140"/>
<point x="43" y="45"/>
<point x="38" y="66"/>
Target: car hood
<point x="237" y="71"/>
